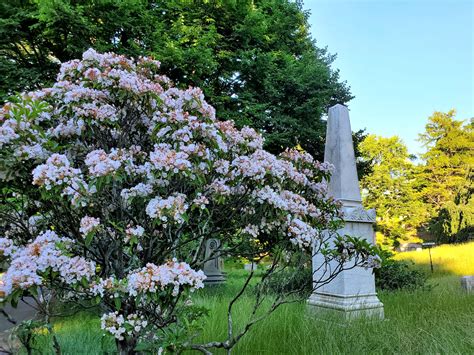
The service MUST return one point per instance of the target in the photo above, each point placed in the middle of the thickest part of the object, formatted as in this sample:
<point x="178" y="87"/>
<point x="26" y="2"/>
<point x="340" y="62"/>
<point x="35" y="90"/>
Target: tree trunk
<point x="126" y="346"/>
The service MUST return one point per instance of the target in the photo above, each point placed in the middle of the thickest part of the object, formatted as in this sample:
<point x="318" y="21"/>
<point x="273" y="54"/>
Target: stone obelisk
<point x="352" y="292"/>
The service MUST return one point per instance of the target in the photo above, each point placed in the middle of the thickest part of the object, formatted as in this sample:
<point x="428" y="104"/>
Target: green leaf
<point x="118" y="303"/>
<point x="142" y="346"/>
<point x="89" y="238"/>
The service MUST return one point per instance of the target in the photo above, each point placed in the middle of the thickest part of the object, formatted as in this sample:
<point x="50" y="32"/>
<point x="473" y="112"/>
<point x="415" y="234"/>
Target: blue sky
<point x="403" y="59"/>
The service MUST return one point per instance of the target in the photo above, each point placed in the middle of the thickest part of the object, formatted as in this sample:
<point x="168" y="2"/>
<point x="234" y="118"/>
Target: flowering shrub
<point x="113" y="179"/>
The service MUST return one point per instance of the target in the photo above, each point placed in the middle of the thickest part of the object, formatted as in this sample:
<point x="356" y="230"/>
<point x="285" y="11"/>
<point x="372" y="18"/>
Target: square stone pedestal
<point x="346" y="307"/>
<point x="350" y="293"/>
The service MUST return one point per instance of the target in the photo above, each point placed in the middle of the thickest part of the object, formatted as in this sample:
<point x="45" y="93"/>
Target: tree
<point x="455" y="220"/>
<point x="113" y="179"/>
<point x="450" y="146"/>
<point x="254" y="60"/>
<point x="363" y="165"/>
<point x="445" y="173"/>
<point x="392" y="189"/>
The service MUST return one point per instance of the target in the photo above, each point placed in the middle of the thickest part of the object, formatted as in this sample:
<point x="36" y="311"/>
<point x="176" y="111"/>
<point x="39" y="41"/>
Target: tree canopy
<point x="433" y="196"/>
<point x="255" y="60"/>
<point x="392" y="189"/>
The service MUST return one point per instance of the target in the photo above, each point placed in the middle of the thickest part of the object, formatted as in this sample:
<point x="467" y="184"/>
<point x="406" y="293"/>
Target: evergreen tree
<point x="455" y="220"/>
<point x="448" y="176"/>
<point x="449" y="155"/>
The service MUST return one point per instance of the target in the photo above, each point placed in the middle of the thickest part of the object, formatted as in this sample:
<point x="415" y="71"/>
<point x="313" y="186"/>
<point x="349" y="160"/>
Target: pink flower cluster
<point x="141" y="190"/>
<point x="261" y="163"/>
<point x="297" y="157"/>
<point x="7" y="133"/>
<point x="89" y="225"/>
<point x="246" y="138"/>
<point x="131" y="232"/>
<point x="29" y="263"/>
<point x="173" y="207"/>
<point x="201" y="201"/>
<point x="112" y="70"/>
<point x="98" y="112"/>
<point x="301" y="234"/>
<point x="305" y="160"/>
<point x="100" y="163"/>
<point x="166" y="159"/>
<point x="114" y="324"/>
<point x="220" y="187"/>
<point x="251" y="230"/>
<point x="287" y="201"/>
<point x="56" y="172"/>
<point x="99" y="287"/>
<point x="68" y="128"/>
<point x="7" y="248"/>
<point x="154" y="278"/>
<point x="33" y="151"/>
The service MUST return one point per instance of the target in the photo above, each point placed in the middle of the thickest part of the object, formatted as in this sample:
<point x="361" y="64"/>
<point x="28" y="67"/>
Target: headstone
<point x="213" y="268"/>
<point x="352" y="292"/>
<point x="467" y="283"/>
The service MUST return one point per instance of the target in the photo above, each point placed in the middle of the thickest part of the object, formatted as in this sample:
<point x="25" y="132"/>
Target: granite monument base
<point x="346" y="307"/>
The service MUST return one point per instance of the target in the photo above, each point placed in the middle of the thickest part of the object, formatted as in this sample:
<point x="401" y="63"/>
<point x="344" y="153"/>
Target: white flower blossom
<point x="88" y="225"/>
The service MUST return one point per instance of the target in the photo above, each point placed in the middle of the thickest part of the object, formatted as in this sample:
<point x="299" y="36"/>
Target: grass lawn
<point x="437" y="321"/>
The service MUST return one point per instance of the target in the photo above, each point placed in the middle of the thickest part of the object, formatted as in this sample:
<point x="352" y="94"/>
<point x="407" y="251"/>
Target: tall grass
<point x="421" y="322"/>
<point x="430" y="321"/>
<point x="457" y="259"/>
<point x="437" y="321"/>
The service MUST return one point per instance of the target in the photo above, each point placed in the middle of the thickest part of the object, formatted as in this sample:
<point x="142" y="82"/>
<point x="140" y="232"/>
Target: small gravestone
<point x="467" y="283"/>
<point x="213" y="267"/>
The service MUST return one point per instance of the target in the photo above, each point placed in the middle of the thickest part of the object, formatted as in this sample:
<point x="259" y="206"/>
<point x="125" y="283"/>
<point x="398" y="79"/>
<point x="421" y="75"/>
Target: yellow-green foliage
<point x="456" y="259"/>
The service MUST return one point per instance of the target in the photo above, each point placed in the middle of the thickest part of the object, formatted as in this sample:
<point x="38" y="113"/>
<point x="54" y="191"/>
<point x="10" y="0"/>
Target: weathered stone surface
<point x="467" y="283"/>
<point x="9" y="318"/>
<point x="358" y="214"/>
<point x="22" y="312"/>
<point x="339" y="151"/>
<point x="352" y="292"/>
<point x="213" y="268"/>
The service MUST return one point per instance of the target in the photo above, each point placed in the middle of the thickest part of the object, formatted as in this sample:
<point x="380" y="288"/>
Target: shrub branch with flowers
<point x="112" y="181"/>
